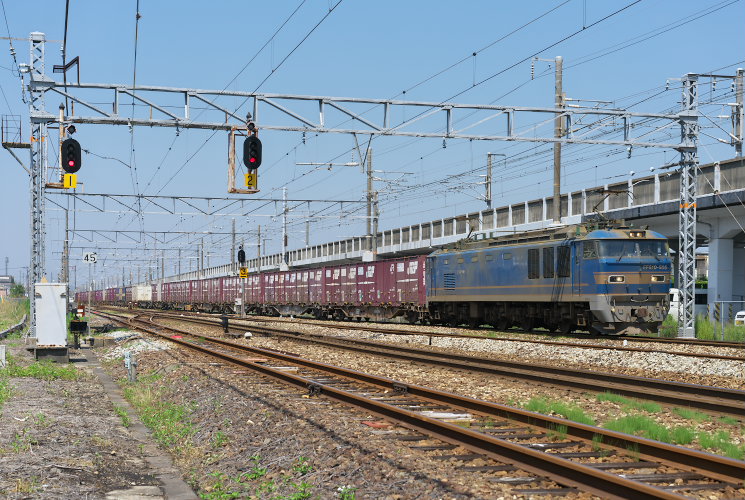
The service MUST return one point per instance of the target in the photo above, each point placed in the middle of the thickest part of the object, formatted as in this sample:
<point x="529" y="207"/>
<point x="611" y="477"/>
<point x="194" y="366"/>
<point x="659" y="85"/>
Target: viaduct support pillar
<point x="721" y="268"/>
<point x="738" y="275"/>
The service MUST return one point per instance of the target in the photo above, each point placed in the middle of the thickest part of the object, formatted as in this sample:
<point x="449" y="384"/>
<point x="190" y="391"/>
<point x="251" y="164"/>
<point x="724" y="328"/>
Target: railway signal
<point x="241" y="256"/>
<point x="252" y="152"/>
<point x="72" y="158"/>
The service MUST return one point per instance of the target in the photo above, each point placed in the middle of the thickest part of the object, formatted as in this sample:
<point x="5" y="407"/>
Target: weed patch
<point x="219" y="439"/>
<point x="27" y="486"/>
<point x="255" y="484"/>
<point x="712" y="330"/>
<point x="640" y="425"/>
<point x="168" y="421"/>
<point x="5" y="390"/>
<point x="45" y="370"/>
<point x="721" y="441"/>
<point x="628" y="403"/>
<point x="126" y="421"/>
<point x="11" y="312"/>
<point x="728" y="420"/>
<point x="570" y="412"/>
<point x="689" y="414"/>
<point x="669" y="327"/>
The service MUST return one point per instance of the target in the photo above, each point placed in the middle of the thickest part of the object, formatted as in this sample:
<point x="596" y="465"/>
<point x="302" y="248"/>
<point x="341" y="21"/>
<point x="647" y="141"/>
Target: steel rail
<point x="584" y="336"/>
<point x="556" y="468"/>
<point x="713" y="466"/>
<point x="706" y="398"/>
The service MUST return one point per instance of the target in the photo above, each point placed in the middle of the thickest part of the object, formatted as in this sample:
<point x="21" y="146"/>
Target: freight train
<point x="598" y="278"/>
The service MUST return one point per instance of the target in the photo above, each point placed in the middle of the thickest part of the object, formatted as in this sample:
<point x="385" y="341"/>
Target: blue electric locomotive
<point x="600" y="279"/>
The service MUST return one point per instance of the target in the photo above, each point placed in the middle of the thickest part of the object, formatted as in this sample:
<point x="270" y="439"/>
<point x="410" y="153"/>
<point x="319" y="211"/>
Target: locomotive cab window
<point x="589" y="250"/>
<point x="534" y="263"/>
<point x="633" y="248"/>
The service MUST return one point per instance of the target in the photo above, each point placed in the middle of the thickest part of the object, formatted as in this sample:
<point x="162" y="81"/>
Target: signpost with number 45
<point x="90" y="257"/>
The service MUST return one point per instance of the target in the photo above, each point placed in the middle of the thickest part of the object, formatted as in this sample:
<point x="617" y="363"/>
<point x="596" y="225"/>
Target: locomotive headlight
<point x="659" y="279"/>
<point x="616" y="279"/>
<point x="637" y="234"/>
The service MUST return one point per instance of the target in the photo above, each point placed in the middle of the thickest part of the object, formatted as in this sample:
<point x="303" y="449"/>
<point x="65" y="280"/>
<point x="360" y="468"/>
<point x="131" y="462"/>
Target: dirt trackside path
<point x="63" y="437"/>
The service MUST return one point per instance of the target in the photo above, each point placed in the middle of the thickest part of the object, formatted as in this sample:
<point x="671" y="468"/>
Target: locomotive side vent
<point x="449" y="281"/>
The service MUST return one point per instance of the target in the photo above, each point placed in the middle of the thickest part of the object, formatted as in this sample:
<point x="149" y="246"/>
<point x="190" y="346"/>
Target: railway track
<point x="618" y="340"/>
<point x="705" y="398"/>
<point x="560" y="455"/>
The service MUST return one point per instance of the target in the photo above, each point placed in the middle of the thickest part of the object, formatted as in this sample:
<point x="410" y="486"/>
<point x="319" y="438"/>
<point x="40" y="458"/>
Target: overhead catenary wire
<point x="619" y="152"/>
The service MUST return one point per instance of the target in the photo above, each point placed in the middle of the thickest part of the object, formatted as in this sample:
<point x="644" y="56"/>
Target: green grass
<point x="628" y="403"/>
<point x="721" y="441"/>
<point x="705" y="329"/>
<point x="221" y="486"/>
<point x="11" y="312"/>
<point x="169" y="422"/>
<point x="45" y="370"/>
<point x="689" y="414"/>
<point x="729" y="420"/>
<point x="640" y="425"/>
<point x="669" y="327"/>
<point x="219" y="439"/>
<point x="570" y="412"/>
<point x="5" y="390"/>
<point x="126" y="421"/>
<point x="710" y="330"/>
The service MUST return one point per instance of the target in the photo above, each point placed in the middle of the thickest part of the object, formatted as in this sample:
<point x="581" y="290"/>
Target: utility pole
<point x="179" y="262"/>
<point x="376" y="213"/>
<point x="232" y="252"/>
<point x="37" y="167"/>
<point x="258" y="253"/>
<point x="489" y="178"/>
<point x="6" y="266"/>
<point x="558" y="133"/>
<point x="369" y="200"/>
<point x="488" y="198"/>
<point x="284" y="226"/>
<point x="66" y="250"/>
<point x="66" y="244"/>
<point x="201" y="258"/>
<point x="739" y="117"/>
<point x="687" y="216"/>
<point x="243" y="284"/>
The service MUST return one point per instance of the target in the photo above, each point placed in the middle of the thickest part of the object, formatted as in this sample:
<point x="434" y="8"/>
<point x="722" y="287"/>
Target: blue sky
<point x="361" y="49"/>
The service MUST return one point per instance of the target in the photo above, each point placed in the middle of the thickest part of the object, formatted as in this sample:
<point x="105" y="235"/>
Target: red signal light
<point x="71" y="163"/>
<point x="252" y="159"/>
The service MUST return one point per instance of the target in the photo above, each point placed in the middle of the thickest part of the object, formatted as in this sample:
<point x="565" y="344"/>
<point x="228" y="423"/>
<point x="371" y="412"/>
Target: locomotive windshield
<point x="633" y="248"/>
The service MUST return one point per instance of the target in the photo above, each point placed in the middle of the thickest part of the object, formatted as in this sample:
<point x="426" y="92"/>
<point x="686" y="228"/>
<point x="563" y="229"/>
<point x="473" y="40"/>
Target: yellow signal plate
<point x="243" y="271"/>
<point x="252" y="180"/>
<point x="70" y="181"/>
